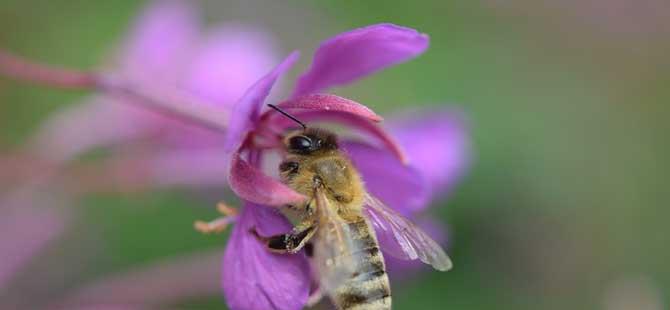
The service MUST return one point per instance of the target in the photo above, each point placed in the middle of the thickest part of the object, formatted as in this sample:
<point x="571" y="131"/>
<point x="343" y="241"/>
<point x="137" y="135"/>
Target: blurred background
<point x="564" y="205"/>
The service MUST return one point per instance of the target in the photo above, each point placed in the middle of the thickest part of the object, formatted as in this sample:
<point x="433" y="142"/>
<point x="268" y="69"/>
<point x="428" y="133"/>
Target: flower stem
<point x="164" y="101"/>
<point x="22" y="69"/>
<point x="168" y="102"/>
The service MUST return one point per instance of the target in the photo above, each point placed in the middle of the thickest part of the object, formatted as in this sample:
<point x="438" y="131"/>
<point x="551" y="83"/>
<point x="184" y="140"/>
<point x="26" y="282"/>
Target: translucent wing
<point x="402" y="239"/>
<point x="333" y="245"/>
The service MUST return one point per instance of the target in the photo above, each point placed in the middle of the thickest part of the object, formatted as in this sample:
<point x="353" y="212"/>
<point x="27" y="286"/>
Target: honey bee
<point x="336" y="225"/>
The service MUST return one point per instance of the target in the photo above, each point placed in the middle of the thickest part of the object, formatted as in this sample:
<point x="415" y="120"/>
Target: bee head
<point x="310" y="141"/>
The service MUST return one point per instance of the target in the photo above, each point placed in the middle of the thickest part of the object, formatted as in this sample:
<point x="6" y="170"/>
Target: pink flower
<point x="29" y="221"/>
<point x="166" y="51"/>
<point x="435" y="155"/>
<point x="165" y="54"/>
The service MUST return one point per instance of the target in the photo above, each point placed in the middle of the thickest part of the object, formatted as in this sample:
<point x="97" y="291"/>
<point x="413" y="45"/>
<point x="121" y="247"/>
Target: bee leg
<point x="309" y="249"/>
<point x="303" y="210"/>
<point x="288" y="169"/>
<point x="290" y="243"/>
<point x="219" y="224"/>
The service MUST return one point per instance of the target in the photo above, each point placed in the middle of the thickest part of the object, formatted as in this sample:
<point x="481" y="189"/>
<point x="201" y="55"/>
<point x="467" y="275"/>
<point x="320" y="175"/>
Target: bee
<point x="336" y="225"/>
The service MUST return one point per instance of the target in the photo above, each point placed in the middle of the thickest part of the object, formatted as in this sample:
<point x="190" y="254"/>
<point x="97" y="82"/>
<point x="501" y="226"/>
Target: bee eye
<point x="300" y="143"/>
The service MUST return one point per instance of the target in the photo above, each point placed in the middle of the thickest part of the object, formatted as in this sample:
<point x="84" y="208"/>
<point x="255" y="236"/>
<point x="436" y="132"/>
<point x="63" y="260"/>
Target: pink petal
<point x="160" y="282"/>
<point x="228" y="62"/>
<point x="159" y="41"/>
<point x="357" y="53"/>
<point x="270" y="221"/>
<point x="187" y="167"/>
<point x="154" y="169"/>
<point x="246" y="111"/>
<point x="181" y="134"/>
<point x="364" y="125"/>
<point x="251" y="184"/>
<point x="96" y="122"/>
<point x="254" y="278"/>
<point x="328" y="102"/>
<point x="437" y="144"/>
<point x="400" y="186"/>
<point x="166" y="104"/>
<point x="28" y="222"/>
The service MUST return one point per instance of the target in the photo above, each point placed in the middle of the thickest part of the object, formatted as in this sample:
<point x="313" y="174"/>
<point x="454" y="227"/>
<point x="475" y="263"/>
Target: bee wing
<point x="333" y="245"/>
<point x="402" y="239"/>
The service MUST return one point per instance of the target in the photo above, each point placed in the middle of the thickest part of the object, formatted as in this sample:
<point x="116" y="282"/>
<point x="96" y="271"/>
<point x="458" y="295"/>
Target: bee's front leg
<point x="288" y="169"/>
<point x="291" y="242"/>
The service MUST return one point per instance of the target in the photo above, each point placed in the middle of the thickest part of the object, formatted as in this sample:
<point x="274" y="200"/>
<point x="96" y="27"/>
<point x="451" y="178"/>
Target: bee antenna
<point x="276" y="108"/>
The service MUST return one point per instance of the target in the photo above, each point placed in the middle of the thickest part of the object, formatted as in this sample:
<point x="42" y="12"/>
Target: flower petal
<point x="270" y="221"/>
<point x="254" y="278"/>
<point x="159" y="41"/>
<point x="160" y="282"/>
<point x="328" y="102"/>
<point x="400" y="186"/>
<point x="229" y="61"/>
<point x="96" y="122"/>
<point x="252" y="185"/>
<point x="193" y="168"/>
<point x="246" y="111"/>
<point x="437" y="144"/>
<point x="26" y="228"/>
<point x="359" y="52"/>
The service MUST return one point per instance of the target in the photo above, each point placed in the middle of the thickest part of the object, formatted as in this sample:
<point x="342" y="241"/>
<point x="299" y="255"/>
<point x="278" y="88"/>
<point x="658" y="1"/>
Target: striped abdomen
<point x="368" y="288"/>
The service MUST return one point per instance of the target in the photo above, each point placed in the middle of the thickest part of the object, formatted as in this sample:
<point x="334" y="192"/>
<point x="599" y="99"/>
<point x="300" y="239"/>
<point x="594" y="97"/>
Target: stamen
<point x="219" y="224"/>
<point x="216" y="226"/>
<point x="225" y="209"/>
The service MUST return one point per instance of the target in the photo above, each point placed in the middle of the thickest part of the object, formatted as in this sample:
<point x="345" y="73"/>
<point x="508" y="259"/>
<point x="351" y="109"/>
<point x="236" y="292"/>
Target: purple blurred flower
<point x="436" y="153"/>
<point x="167" y="52"/>
<point x="161" y="282"/>
<point x="28" y="222"/>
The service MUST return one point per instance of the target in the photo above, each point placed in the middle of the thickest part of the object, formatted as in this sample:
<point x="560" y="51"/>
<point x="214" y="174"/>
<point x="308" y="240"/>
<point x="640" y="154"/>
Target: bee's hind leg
<point x="290" y="243"/>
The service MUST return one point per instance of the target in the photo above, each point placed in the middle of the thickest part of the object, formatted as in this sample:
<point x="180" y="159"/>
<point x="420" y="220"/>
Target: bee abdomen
<point x="366" y="291"/>
<point x="368" y="288"/>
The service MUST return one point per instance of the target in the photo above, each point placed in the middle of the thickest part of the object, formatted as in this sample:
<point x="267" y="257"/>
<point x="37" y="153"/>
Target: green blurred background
<point x="564" y="207"/>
